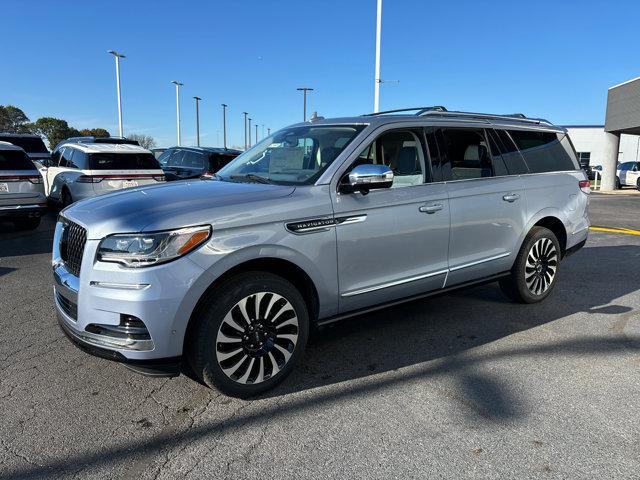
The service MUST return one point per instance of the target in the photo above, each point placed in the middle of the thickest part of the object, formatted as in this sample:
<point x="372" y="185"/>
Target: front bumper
<point x="92" y="306"/>
<point x="21" y="211"/>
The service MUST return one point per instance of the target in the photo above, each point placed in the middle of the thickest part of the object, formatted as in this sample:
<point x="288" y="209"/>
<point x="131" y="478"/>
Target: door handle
<point x="511" y="197"/>
<point x="433" y="208"/>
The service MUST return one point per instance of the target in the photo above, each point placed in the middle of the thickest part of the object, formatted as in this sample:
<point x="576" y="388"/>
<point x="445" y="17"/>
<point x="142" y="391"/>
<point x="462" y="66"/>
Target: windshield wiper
<point x="250" y="176"/>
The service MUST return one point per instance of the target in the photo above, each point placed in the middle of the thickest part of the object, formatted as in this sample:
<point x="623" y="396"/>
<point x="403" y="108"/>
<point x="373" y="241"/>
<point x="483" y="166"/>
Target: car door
<point x="487" y="204"/>
<point x="55" y="173"/>
<point x="391" y="242"/>
<point x="632" y="174"/>
<point x="623" y="174"/>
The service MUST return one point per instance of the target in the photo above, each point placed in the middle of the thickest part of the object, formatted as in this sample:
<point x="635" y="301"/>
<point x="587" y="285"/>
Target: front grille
<point x="72" y="246"/>
<point x="68" y="307"/>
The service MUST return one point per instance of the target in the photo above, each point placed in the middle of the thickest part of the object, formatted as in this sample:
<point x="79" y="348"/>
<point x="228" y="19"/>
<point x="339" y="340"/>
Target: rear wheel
<point x="27" y="223"/>
<point x="618" y="184"/>
<point x="535" y="270"/>
<point x="250" y="332"/>
<point x="638" y="184"/>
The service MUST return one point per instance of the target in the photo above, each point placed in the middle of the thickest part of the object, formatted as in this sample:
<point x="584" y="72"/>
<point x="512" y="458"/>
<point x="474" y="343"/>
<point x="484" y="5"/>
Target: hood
<point x="166" y="206"/>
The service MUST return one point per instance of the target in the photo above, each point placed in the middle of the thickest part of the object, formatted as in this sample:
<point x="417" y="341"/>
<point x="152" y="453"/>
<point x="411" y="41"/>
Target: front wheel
<point x="249" y="334"/>
<point x="618" y="184"/>
<point x="535" y="269"/>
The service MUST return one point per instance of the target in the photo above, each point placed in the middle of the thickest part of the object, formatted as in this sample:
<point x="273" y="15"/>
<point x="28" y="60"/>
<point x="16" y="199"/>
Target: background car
<point x="83" y="170"/>
<point x="158" y="151"/>
<point x="628" y="175"/>
<point x="31" y="144"/>
<point x="22" y="198"/>
<point x="180" y="163"/>
<point x="91" y="139"/>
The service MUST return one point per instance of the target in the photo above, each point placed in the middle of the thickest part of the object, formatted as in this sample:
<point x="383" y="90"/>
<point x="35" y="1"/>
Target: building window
<point x="584" y="158"/>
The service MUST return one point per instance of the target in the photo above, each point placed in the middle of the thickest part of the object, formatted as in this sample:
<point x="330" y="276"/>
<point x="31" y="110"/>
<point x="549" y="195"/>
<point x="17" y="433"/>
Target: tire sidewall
<point x="203" y="345"/>
<point x="536" y="234"/>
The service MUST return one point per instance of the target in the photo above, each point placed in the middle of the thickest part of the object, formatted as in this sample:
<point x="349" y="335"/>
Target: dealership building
<point x="591" y="143"/>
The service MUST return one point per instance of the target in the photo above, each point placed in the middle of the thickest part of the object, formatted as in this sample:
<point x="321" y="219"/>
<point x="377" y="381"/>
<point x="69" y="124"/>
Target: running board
<point x="327" y="321"/>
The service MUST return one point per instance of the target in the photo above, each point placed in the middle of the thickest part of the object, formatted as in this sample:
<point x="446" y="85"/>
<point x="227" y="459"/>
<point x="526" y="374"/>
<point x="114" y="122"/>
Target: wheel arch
<point x="548" y="218"/>
<point x="274" y="265"/>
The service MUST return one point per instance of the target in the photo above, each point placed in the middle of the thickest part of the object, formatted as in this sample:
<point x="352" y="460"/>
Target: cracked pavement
<point x="465" y="385"/>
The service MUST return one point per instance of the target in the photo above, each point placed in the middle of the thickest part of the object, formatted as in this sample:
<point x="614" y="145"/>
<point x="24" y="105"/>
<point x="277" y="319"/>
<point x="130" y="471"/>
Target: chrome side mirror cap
<point x="367" y="177"/>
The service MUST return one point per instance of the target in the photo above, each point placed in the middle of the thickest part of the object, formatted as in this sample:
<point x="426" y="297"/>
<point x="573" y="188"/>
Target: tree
<point x="54" y="130"/>
<point x="145" y="141"/>
<point x="95" y="132"/>
<point x="14" y="120"/>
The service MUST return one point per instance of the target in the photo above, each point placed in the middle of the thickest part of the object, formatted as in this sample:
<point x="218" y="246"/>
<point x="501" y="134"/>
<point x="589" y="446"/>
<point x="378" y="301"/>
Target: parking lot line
<point x="626" y="231"/>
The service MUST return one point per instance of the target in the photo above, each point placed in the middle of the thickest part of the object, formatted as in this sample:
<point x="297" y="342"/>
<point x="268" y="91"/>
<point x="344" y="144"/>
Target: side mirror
<point x="367" y="177"/>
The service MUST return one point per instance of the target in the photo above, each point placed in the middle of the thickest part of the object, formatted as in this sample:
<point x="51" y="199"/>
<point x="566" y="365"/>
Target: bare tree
<point x="145" y="141"/>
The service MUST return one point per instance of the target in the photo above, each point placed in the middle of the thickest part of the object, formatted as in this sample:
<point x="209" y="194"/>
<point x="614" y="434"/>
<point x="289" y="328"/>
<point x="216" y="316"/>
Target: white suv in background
<point x="83" y="170"/>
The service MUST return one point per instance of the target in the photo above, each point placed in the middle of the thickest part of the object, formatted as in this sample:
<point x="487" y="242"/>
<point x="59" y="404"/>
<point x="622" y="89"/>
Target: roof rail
<point x="418" y="110"/>
<point x="514" y="117"/>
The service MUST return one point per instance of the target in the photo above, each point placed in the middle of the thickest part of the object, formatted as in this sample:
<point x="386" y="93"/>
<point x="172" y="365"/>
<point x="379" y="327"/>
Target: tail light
<point x="158" y="178"/>
<point x="20" y="178"/>
<point x="36" y="179"/>
<point x="88" y="179"/>
<point x="585" y="186"/>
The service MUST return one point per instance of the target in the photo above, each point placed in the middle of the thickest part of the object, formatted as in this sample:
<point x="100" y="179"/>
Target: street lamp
<point x="224" y="124"/>
<point x="305" y="90"/>
<point x="268" y="132"/>
<point x="245" y="129"/>
<point x="257" y="133"/>
<point x="118" y="56"/>
<point x="178" y="85"/>
<point x="249" y="133"/>
<point x="376" y="97"/>
<point x="197" y="99"/>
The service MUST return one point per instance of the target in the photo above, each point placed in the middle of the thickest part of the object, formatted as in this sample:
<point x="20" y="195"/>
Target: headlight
<point x="146" y="249"/>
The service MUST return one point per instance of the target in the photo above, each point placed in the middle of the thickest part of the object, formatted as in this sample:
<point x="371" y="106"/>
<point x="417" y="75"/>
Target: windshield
<point x="123" y="161"/>
<point x="293" y="156"/>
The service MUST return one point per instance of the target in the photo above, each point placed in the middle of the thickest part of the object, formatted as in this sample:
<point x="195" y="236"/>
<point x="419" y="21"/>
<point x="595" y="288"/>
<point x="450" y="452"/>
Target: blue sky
<point x="554" y="59"/>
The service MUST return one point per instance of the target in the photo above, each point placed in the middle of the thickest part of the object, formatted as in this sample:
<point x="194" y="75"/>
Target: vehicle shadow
<point x="445" y="328"/>
<point x="14" y="242"/>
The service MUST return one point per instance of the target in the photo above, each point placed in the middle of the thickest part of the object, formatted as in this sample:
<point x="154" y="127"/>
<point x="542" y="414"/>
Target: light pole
<point x="376" y="97"/>
<point x="197" y="99"/>
<point x="224" y="124"/>
<point x="245" y="129"/>
<point x="304" y="110"/>
<point x="249" y="133"/>
<point x="178" y="85"/>
<point x="118" y="56"/>
<point x="257" y="133"/>
<point x="268" y="132"/>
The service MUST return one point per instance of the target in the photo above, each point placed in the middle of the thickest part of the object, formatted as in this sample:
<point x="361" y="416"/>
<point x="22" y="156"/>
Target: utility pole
<point x="118" y="56"/>
<point x="178" y="85"/>
<point x="256" y="133"/>
<point x="304" y="90"/>
<point x="376" y="98"/>
<point x="245" y="129"/>
<point x="269" y="132"/>
<point x="197" y="99"/>
<point x="249" y="133"/>
<point x="224" y="124"/>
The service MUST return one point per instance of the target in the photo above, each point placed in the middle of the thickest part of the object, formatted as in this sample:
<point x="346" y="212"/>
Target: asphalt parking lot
<point x="465" y="385"/>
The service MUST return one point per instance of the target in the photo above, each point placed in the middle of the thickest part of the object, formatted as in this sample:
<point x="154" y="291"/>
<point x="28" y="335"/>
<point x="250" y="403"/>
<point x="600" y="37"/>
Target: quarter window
<point x="67" y="158"/>
<point x="545" y="151"/>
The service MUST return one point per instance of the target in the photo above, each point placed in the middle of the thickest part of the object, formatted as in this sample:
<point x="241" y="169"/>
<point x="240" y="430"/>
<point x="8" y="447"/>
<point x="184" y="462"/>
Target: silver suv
<point x="318" y="222"/>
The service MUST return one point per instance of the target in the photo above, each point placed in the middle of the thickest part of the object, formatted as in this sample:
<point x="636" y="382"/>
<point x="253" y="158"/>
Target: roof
<point x="23" y="135"/>
<point x="106" y="148"/>
<point x="205" y="149"/>
<point x="438" y="116"/>
<point x="8" y="146"/>
<point x="583" y="126"/>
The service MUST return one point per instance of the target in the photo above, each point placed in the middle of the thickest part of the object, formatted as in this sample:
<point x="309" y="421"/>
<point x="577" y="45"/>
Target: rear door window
<point x="193" y="160"/>
<point x="512" y="158"/>
<point x="465" y="154"/>
<point x="545" y="151"/>
<point x="15" y="160"/>
<point x="66" y="160"/>
<point x="123" y="161"/>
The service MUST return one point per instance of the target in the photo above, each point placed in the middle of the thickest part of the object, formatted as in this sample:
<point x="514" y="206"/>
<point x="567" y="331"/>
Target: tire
<point x="67" y="199"/>
<point x="245" y="354"/>
<point x="27" y="223"/>
<point x="638" y="184"/>
<point x="618" y="184"/>
<point x="535" y="270"/>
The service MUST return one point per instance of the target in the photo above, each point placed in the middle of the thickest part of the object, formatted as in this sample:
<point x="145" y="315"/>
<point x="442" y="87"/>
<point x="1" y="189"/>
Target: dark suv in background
<point x="31" y="144"/>
<point x="180" y="163"/>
